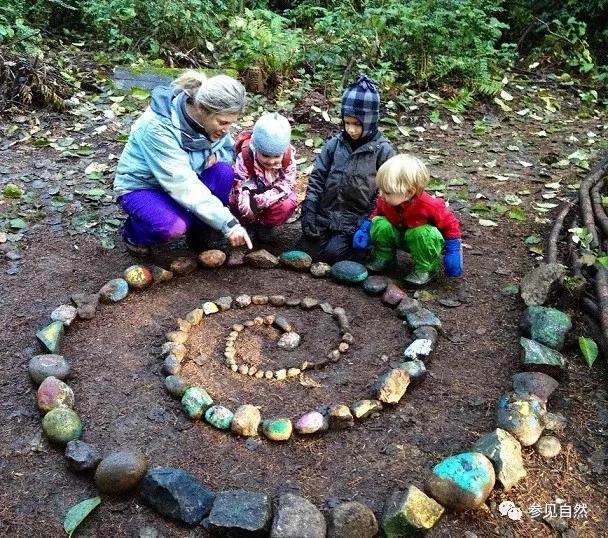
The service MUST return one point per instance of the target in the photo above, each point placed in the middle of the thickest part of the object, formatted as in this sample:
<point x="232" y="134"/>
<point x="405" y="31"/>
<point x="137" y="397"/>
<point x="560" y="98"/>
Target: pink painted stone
<point x="53" y="393"/>
<point x="393" y="295"/>
<point x="311" y="422"/>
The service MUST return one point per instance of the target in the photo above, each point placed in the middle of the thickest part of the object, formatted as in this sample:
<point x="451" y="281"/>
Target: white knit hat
<point x="271" y="134"/>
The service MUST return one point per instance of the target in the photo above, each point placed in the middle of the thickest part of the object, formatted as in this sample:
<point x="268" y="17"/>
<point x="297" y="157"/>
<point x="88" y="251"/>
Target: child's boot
<point x="377" y="265"/>
<point x="419" y="278"/>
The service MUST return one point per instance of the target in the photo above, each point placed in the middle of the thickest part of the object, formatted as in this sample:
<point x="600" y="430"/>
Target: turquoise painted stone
<point x="51" y="335"/>
<point x="138" y="277"/>
<point x="539" y="358"/>
<point x="521" y="416"/>
<point x="114" y="290"/>
<point x="278" y="429"/>
<point x="62" y="425"/>
<point x="295" y="259"/>
<point x="409" y="513"/>
<point x="53" y="393"/>
<point x="422" y="317"/>
<point x="195" y="402"/>
<point x="462" y="481"/>
<point x="548" y="326"/>
<point x="348" y="272"/>
<point x="219" y="416"/>
<point x="504" y="451"/>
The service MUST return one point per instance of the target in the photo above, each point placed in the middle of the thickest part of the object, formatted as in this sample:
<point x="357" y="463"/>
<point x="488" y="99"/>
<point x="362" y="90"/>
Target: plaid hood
<point x="362" y="100"/>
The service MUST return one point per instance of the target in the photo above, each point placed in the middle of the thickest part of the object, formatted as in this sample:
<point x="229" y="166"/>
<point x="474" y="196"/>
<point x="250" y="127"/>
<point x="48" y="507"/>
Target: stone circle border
<point x="399" y="505"/>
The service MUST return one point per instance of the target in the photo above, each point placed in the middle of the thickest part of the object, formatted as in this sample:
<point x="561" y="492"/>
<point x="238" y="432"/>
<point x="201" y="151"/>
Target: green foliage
<point x="459" y="102"/>
<point x="78" y="513"/>
<point x="589" y="350"/>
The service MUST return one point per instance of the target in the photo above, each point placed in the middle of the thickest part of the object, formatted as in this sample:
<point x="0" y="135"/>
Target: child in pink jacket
<point x="263" y="194"/>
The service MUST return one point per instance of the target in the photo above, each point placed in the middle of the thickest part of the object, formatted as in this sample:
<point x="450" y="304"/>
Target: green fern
<point x="459" y="102"/>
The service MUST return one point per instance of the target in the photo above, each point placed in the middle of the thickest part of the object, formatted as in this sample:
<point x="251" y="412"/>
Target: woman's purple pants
<point x="155" y="217"/>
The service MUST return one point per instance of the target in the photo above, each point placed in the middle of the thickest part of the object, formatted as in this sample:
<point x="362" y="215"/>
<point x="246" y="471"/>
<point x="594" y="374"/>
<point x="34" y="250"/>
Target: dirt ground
<point x="120" y="395"/>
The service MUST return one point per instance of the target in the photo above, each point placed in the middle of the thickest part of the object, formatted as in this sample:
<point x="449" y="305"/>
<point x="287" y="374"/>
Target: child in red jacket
<point x="409" y="218"/>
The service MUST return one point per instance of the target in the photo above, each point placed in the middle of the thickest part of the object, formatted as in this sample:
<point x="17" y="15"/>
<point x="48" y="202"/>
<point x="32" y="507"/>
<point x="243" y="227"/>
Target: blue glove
<point x="361" y="237"/>
<point x="452" y="257"/>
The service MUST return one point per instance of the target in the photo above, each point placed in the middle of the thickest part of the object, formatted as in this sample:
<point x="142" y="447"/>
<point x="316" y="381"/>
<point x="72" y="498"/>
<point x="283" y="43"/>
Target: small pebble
<point x="348" y="338"/>
<point x="234" y="367"/>
<point x="343" y="347"/>
<point x="258" y="321"/>
<point x="334" y="355"/>
<point x="259" y="374"/>
<point x="243" y="369"/>
<point x="293" y="372"/>
<point x="280" y="375"/>
<point x="224" y="303"/>
<point x="320" y="269"/>
<point x="238" y="327"/>
<point x="269" y="320"/>
<point x="277" y="300"/>
<point x="66" y="313"/>
<point x="249" y="323"/>
<point x="210" y="308"/>
<point x="183" y="265"/>
<point x="243" y="301"/>
<point x="548" y="446"/>
<point x="292" y="301"/>
<point x="268" y="374"/>
<point x="259" y="299"/>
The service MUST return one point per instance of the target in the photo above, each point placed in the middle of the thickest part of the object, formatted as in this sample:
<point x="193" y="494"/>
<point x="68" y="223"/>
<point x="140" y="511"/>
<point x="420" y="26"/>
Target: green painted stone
<point x="539" y="358"/>
<point x="348" y="272"/>
<point x="410" y="512"/>
<point x="62" y="425"/>
<point x="114" y="290"/>
<point x="462" y="481"/>
<point x="278" y="429"/>
<point x="295" y="259"/>
<point x="138" y="277"/>
<point x="548" y="326"/>
<point x="219" y="416"/>
<point x="51" y="335"/>
<point x="195" y="402"/>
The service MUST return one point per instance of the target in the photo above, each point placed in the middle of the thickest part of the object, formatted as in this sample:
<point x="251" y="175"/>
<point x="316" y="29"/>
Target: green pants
<point x="424" y="243"/>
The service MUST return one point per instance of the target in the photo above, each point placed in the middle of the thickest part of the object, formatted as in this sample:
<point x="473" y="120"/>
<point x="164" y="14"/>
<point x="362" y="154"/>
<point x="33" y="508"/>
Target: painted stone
<point x="82" y="456"/>
<point x="195" y="316"/>
<point x="246" y="420"/>
<point x="522" y="417"/>
<point x="535" y="286"/>
<point x="219" y="417"/>
<point x="120" y="472"/>
<point x="539" y="358"/>
<point x="261" y="259"/>
<point x="297" y="517"/>
<point x="86" y="304"/>
<point x="179" y="337"/>
<point x="114" y="290"/>
<point x="138" y="277"/>
<point x="195" y="402"/>
<point x="277" y="429"/>
<point x="42" y="366"/>
<point x="308" y="303"/>
<point x="351" y="519"/>
<point x="504" y="451"/>
<point x="422" y="317"/>
<point x="409" y="513"/>
<point x="260" y="299"/>
<point x="224" y="303"/>
<point x="277" y="300"/>
<point x="212" y="258"/>
<point x="282" y="324"/>
<point x="243" y="300"/>
<point x="416" y="370"/>
<point x="548" y="326"/>
<point x="340" y="417"/>
<point x="393" y="295"/>
<point x="391" y="386"/>
<point x="312" y="422"/>
<point x="348" y="272"/>
<point x="177" y="494"/>
<point x="289" y="341"/>
<point x="160" y="275"/>
<point x="364" y="408"/>
<point x="418" y="349"/>
<point x="320" y="269"/>
<point x="536" y="383"/>
<point x="548" y="446"/>
<point x="407" y="305"/>
<point x="462" y="481"/>
<point x="240" y="513"/>
<point x="295" y="259"/>
<point x="236" y="258"/>
<point x="53" y="393"/>
<point x="183" y="265"/>
<point x="66" y="313"/>
<point x="210" y="307"/>
<point x="62" y="425"/>
<point x="176" y="385"/>
<point x="375" y="284"/>
<point x="51" y="335"/>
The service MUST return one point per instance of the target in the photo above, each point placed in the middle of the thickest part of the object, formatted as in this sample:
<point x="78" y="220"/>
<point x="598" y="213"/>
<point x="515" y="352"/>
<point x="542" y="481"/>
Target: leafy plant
<point x="589" y="349"/>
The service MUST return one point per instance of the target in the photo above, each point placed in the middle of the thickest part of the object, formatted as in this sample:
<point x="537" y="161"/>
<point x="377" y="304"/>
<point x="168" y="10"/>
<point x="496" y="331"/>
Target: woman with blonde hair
<point x="175" y="173"/>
